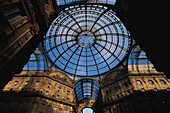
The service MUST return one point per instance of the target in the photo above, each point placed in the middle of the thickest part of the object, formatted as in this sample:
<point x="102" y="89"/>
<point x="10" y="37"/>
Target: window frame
<point x="26" y="83"/>
<point x="143" y="90"/>
<point x="151" y="82"/>
<point x="59" y="89"/>
<point x="49" y="85"/>
<point x="162" y="81"/>
<point x="139" y="82"/>
<point x="16" y="83"/>
<point x="37" y="83"/>
<point x="47" y="93"/>
<point x="68" y="92"/>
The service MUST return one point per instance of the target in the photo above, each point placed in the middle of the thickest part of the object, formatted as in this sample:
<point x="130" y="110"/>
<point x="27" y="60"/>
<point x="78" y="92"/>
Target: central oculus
<point x="86" y="39"/>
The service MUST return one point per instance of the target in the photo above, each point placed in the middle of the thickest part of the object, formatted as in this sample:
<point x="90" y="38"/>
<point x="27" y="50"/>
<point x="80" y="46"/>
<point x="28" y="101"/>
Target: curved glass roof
<point x="86" y="40"/>
<point x="67" y="2"/>
<point x="87" y="110"/>
<point x="87" y="88"/>
<point x="36" y="62"/>
<point x="138" y="61"/>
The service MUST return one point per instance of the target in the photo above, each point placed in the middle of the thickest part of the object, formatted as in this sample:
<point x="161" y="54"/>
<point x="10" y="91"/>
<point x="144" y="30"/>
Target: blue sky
<point x="87" y="110"/>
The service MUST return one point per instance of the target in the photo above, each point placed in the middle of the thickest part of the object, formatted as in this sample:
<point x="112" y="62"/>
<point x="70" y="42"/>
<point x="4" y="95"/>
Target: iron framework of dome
<point x="67" y="2"/>
<point x="87" y="88"/>
<point x="86" y="40"/>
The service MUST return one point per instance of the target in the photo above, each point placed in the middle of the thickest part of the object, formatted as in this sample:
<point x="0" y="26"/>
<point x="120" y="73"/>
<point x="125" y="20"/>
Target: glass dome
<point x="86" y="40"/>
<point x="67" y="2"/>
<point x="87" y="110"/>
<point x="36" y="62"/>
<point x="87" y="88"/>
<point x="138" y="61"/>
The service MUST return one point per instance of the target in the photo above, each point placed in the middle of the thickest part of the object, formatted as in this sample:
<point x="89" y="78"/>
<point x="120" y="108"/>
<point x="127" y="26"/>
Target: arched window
<point x="36" y="62"/>
<point x="138" y="61"/>
<point x="87" y="88"/>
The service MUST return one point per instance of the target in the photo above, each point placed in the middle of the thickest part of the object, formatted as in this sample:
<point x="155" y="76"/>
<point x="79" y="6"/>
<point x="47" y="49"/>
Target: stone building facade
<point x="39" y="92"/>
<point x="133" y="93"/>
<point x="115" y="75"/>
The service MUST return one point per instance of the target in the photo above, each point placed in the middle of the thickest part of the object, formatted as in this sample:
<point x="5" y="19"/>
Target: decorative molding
<point x="13" y="48"/>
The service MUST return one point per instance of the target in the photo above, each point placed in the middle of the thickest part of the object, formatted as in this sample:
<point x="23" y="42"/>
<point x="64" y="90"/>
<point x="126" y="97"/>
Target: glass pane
<point x="87" y="110"/>
<point x="90" y="39"/>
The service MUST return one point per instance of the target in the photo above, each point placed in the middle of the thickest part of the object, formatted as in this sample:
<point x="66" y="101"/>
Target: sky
<point x="87" y="110"/>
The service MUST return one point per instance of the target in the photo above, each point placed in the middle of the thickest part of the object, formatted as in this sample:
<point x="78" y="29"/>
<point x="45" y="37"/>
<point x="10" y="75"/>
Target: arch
<point x="88" y="110"/>
<point x="91" y="43"/>
<point x="113" y="76"/>
<point x="87" y="88"/>
<point x="86" y="78"/>
<point x="71" y="2"/>
<point x="45" y="55"/>
<point x="60" y="75"/>
<point x="138" y="61"/>
<point x="123" y="71"/>
<point x="37" y="61"/>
